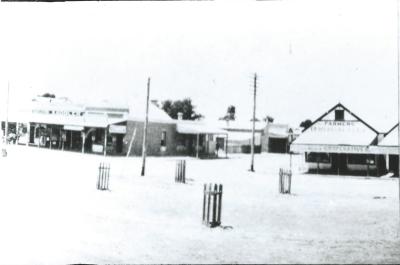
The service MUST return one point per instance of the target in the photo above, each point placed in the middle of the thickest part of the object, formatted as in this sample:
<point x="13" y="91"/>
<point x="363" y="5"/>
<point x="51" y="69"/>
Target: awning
<point x="328" y="148"/>
<point x="385" y="150"/>
<point x="73" y="128"/>
<point x="185" y="127"/>
<point x="280" y="131"/>
<point x="244" y="137"/>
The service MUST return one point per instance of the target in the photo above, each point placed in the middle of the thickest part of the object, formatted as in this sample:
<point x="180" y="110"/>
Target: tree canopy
<point x="230" y="114"/>
<point x="48" y="95"/>
<point x="269" y="119"/>
<point x="306" y="123"/>
<point x="185" y="106"/>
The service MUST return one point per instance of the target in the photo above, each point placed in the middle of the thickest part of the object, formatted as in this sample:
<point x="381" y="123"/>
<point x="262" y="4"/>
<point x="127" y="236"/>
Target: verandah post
<point x="226" y="146"/>
<point x="83" y="141"/>
<point x="29" y="133"/>
<point x="184" y="171"/>
<point x="197" y="146"/>
<point x="51" y="135"/>
<point x="105" y="141"/>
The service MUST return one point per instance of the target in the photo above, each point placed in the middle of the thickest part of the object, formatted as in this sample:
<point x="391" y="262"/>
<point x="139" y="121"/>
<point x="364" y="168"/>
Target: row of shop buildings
<point x="58" y="123"/>
<point x="340" y="142"/>
<point x="104" y="128"/>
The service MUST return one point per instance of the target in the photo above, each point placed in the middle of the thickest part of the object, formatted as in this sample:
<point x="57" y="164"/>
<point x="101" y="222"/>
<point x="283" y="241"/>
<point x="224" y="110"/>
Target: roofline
<point x="341" y="105"/>
<point x="384" y="135"/>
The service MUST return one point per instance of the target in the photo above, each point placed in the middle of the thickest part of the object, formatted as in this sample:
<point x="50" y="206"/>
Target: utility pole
<point x="145" y="130"/>
<point x="254" y="123"/>
<point x="398" y="103"/>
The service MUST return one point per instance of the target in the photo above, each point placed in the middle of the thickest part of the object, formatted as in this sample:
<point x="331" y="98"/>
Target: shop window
<point x="361" y="159"/>
<point x="164" y="138"/>
<point x="339" y="115"/>
<point x="318" y="157"/>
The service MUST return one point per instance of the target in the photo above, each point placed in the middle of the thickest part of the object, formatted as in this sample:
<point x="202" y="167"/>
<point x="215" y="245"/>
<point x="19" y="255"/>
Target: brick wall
<point x="154" y="133"/>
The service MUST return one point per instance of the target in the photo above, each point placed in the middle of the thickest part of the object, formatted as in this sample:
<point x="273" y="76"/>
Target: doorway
<point x="339" y="163"/>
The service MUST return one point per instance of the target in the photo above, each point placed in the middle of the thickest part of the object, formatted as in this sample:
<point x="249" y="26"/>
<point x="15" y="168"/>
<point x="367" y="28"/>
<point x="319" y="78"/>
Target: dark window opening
<point x="318" y="157"/>
<point x="361" y="159"/>
<point x="164" y="138"/>
<point x="339" y="115"/>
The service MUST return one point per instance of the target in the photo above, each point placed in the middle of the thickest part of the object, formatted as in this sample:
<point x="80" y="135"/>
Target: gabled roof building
<point x="341" y="142"/>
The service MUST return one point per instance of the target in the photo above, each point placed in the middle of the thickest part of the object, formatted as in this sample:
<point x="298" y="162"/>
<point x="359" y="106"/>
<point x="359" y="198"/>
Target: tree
<point x="306" y="123"/>
<point x="230" y="114"/>
<point x="185" y="106"/>
<point x="268" y="119"/>
<point x="48" y="95"/>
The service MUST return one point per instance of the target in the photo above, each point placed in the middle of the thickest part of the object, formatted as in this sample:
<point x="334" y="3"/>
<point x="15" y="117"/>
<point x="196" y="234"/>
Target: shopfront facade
<point x="340" y="142"/>
<point x="108" y="130"/>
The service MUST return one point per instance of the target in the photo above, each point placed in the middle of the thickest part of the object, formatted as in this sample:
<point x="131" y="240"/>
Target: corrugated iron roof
<point x="197" y="127"/>
<point x="391" y="139"/>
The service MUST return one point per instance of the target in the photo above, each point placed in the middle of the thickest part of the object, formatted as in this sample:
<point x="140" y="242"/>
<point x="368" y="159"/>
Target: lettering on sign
<point x="340" y="123"/>
<point x="338" y="126"/>
<point x="58" y="112"/>
<point x="334" y="148"/>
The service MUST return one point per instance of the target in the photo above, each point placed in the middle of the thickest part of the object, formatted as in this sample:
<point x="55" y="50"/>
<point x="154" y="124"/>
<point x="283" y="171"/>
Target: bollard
<point x="285" y="181"/>
<point x="180" y="171"/>
<point x="212" y="205"/>
<point x="103" y="179"/>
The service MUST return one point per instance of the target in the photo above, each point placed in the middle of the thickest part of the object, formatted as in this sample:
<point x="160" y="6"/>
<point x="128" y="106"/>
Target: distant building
<point x="277" y="138"/>
<point x="240" y="135"/>
<point x="269" y="137"/>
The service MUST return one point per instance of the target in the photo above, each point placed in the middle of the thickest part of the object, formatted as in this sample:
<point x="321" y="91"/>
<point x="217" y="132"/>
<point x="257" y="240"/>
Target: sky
<point x="308" y="55"/>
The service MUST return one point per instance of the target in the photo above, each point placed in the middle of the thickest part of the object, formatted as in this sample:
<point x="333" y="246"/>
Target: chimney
<point x="180" y="115"/>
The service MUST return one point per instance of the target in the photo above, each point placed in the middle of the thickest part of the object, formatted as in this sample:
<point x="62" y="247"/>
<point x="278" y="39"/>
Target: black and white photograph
<point x="200" y="132"/>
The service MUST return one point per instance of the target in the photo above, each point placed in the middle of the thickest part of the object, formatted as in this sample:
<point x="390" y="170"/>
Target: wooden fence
<point x="212" y="205"/>
<point x="285" y="180"/>
<point x="180" y="172"/>
<point x="103" y="179"/>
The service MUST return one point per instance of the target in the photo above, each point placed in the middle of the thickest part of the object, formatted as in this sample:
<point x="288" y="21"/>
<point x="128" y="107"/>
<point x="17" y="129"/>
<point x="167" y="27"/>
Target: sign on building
<point x="121" y="129"/>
